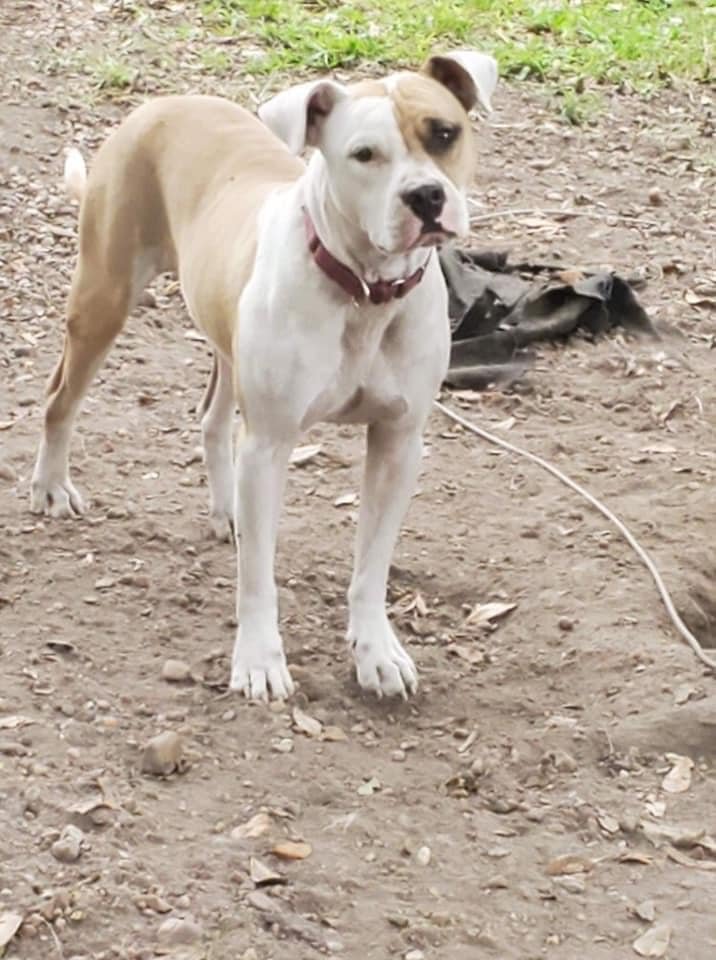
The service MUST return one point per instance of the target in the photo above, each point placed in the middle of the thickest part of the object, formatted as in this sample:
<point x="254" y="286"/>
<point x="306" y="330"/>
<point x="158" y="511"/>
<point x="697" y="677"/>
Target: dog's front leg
<point x="391" y="471"/>
<point x="259" y="666"/>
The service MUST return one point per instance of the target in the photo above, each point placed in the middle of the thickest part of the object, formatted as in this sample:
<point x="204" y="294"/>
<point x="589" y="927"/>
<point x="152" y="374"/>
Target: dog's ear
<point x="469" y="75"/>
<point x="297" y="115"/>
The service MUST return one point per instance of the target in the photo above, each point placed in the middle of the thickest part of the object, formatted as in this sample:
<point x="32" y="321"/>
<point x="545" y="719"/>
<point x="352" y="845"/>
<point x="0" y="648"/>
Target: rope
<point x="606" y="512"/>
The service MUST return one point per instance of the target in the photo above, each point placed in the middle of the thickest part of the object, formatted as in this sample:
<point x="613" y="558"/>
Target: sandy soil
<point x="437" y="829"/>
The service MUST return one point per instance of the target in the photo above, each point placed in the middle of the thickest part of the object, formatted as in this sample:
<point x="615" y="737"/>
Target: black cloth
<point x="498" y="309"/>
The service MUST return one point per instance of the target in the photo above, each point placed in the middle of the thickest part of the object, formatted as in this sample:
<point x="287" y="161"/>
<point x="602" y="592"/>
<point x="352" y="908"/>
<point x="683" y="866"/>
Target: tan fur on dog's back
<point x="154" y="198"/>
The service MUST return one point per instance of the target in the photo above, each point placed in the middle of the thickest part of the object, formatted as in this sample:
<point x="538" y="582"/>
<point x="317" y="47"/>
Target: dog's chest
<point x="358" y="377"/>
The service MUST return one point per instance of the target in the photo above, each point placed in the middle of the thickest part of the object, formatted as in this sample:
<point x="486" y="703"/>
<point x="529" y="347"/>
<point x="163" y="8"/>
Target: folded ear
<point x="469" y="75"/>
<point x="296" y="115"/>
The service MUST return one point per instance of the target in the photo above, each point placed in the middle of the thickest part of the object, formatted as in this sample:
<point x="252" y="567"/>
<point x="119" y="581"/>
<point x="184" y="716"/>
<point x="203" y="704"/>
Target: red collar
<point x="382" y="291"/>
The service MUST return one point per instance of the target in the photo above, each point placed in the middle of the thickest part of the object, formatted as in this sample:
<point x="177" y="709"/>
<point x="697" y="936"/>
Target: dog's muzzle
<point x="426" y="202"/>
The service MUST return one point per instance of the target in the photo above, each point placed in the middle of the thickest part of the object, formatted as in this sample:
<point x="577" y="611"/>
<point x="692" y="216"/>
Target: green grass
<point x="110" y="74"/>
<point x="636" y="43"/>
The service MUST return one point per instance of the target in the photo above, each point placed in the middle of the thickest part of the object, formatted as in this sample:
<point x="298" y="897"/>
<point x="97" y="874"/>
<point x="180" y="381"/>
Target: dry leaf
<point x="686" y="861"/>
<point x="698" y="299"/>
<point x="569" y="863"/>
<point x="484" y="613"/>
<point x="678" y="779"/>
<point x="334" y="734"/>
<point x="292" y="850"/>
<point x="655" y="942"/>
<point x="684" y="692"/>
<point x="470" y="655"/>
<point x="262" y="875"/>
<point x="345" y="500"/>
<point x="368" y="788"/>
<point x="661" y="834"/>
<point x="61" y="646"/>
<point x="634" y="856"/>
<point x="305" y="724"/>
<point x="608" y="823"/>
<point x="13" y="721"/>
<point x="507" y="424"/>
<point x="255" y="827"/>
<point x="657" y="808"/>
<point x="94" y="812"/>
<point x="301" y="455"/>
<point x="468" y="741"/>
<point x="10" y="923"/>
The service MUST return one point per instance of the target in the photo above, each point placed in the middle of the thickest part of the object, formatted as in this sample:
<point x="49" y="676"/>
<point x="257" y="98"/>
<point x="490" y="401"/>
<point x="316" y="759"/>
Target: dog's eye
<point x="441" y="135"/>
<point x="363" y="155"/>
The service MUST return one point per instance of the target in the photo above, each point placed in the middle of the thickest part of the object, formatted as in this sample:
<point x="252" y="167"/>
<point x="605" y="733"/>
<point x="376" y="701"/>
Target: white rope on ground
<point x="605" y="511"/>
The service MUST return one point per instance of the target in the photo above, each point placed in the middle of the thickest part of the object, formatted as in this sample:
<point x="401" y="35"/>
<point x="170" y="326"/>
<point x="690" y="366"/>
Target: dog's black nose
<point x="426" y="202"/>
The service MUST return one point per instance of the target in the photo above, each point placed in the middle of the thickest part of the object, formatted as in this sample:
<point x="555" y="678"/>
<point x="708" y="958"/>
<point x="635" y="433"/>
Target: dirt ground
<point x="438" y="828"/>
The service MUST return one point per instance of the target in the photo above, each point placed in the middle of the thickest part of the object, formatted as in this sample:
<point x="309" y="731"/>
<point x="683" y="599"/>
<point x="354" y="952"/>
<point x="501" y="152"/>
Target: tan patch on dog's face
<point x="368" y="88"/>
<point x="433" y="123"/>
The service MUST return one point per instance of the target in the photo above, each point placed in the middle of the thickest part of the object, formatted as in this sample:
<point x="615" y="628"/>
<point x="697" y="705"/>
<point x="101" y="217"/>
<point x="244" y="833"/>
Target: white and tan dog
<point x="318" y="286"/>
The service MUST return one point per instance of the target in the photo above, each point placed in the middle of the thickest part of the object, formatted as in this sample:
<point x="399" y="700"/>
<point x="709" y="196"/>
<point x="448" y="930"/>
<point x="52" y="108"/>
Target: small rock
<point x="563" y="762"/>
<point x="146" y="299"/>
<point x="656" y="198"/>
<point x="565" y="624"/>
<point x="179" y="931"/>
<point x="571" y="884"/>
<point x="162" y="754"/>
<point x="176" y="671"/>
<point x="7" y="473"/>
<point x="423" y="856"/>
<point x="69" y="847"/>
<point x="415" y="955"/>
<point x="154" y="902"/>
<point x="646" y="910"/>
<point x="32" y="799"/>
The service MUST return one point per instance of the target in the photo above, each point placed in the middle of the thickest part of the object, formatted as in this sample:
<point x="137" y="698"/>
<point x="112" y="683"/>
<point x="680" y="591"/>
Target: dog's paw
<point x="258" y="667"/>
<point x="382" y="665"/>
<point x="56" y="499"/>
<point x="222" y="525"/>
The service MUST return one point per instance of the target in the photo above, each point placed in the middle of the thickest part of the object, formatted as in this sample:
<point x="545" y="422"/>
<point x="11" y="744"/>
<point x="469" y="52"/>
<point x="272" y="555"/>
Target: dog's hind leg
<point x="97" y="308"/>
<point x="216" y="411"/>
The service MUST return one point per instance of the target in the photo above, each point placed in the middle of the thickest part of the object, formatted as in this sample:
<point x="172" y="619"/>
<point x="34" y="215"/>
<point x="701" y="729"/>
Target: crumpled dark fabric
<point x="498" y="310"/>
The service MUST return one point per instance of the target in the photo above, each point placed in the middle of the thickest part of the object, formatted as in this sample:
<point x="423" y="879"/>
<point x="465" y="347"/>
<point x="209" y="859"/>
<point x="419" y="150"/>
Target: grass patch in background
<point x="638" y="43"/>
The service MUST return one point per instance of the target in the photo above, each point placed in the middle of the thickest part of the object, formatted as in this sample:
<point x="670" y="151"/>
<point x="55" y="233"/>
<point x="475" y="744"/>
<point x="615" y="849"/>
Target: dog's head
<point x="398" y="153"/>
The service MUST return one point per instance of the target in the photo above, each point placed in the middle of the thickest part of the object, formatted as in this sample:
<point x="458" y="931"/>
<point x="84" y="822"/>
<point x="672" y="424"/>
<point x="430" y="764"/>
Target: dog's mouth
<point x="432" y="234"/>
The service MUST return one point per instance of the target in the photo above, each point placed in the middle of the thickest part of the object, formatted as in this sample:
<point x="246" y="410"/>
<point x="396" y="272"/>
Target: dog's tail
<point x="75" y="174"/>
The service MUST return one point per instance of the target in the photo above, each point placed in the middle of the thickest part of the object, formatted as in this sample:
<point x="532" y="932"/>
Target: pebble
<point x="179" y="931"/>
<point x="656" y="198"/>
<point x="7" y="473"/>
<point x="565" y="624"/>
<point x="69" y="846"/>
<point x="571" y="884"/>
<point x="162" y="754"/>
<point x="415" y="955"/>
<point x="564" y="762"/>
<point x="423" y="856"/>
<point x="176" y="671"/>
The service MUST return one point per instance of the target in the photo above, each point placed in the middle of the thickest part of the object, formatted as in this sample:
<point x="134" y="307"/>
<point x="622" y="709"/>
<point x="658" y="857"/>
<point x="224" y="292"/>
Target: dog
<point x="319" y="288"/>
